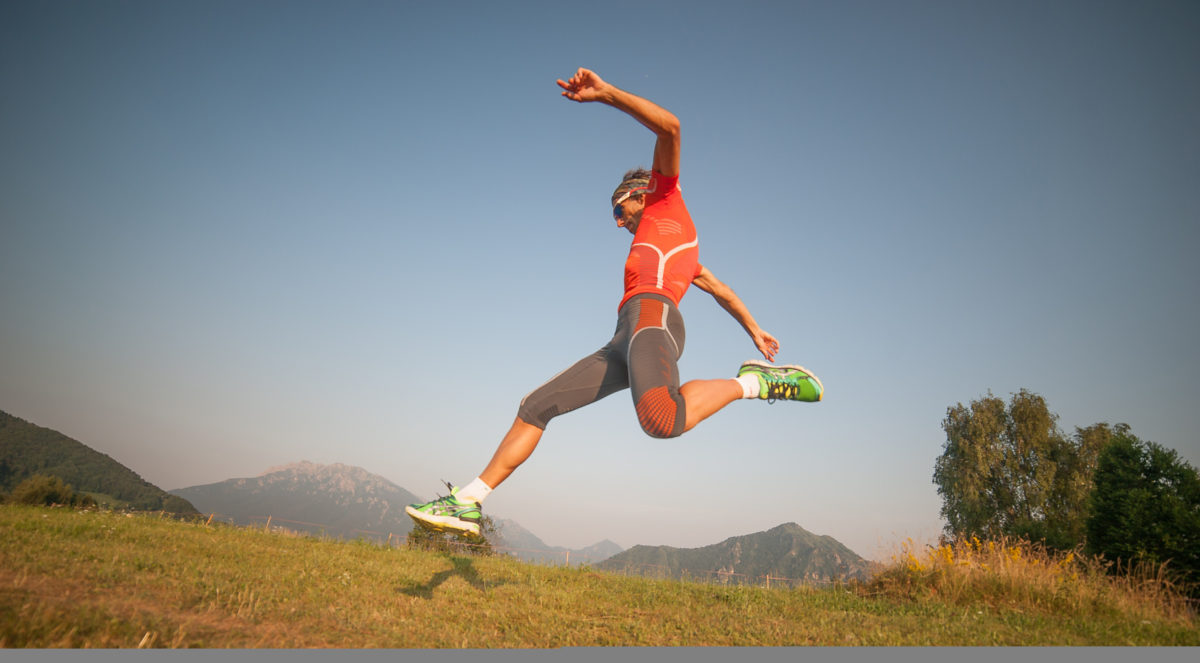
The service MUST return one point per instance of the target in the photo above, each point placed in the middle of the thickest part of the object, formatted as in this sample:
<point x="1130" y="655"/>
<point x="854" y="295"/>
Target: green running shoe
<point x="789" y="383"/>
<point x="447" y="514"/>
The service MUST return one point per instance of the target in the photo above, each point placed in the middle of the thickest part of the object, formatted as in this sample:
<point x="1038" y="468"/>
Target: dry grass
<point x="1019" y="575"/>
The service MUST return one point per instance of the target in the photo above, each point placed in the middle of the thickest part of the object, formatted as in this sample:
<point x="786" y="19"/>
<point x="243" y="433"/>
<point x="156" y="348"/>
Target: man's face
<point x="628" y="213"/>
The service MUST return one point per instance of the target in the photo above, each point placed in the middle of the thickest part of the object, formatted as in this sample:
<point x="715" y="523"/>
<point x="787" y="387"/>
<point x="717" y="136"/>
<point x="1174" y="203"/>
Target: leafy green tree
<point x="1146" y="506"/>
<point x="1068" y="500"/>
<point x="1009" y="471"/>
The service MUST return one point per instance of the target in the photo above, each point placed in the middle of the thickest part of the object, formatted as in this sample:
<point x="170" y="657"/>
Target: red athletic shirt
<point x="665" y="254"/>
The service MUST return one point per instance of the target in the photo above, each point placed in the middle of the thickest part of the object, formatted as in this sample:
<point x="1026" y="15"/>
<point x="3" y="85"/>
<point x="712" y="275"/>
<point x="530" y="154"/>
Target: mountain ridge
<point x="337" y="500"/>
<point x="530" y="548"/>
<point x="785" y="551"/>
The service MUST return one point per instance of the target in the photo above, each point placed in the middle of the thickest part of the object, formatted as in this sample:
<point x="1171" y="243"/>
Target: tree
<point x="1069" y="503"/>
<point x="1145" y="506"/>
<point x="1009" y="471"/>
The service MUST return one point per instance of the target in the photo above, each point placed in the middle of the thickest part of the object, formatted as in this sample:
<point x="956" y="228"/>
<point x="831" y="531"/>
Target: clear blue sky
<point x="242" y="234"/>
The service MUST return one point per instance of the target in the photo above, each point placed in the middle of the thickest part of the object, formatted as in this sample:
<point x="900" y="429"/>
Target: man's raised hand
<point x="585" y="85"/>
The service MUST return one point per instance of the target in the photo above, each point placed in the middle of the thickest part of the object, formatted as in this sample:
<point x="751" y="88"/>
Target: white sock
<point x="750" y="385"/>
<point x="476" y="491"/>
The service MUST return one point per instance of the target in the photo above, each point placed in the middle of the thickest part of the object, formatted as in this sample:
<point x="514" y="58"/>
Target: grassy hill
<point x="103" y="579"/>
<point x="27" y="449"/>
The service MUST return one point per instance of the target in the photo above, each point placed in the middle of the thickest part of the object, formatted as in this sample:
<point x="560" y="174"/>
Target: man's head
<point x="629" y="199"/>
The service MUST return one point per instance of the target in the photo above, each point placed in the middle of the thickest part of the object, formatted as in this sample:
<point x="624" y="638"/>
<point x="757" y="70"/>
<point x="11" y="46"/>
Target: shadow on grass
<point x="463" y="568"/>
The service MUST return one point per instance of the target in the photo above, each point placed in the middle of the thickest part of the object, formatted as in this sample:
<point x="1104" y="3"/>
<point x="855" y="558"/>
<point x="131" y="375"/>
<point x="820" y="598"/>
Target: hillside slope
<point x="104" y="580"/>
<point x="27" y="449"/>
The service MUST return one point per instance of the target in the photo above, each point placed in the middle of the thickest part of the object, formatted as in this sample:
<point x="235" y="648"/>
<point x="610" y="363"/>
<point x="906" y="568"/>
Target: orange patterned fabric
<point x="656" y="412"/>
<point x="651" y="314"/>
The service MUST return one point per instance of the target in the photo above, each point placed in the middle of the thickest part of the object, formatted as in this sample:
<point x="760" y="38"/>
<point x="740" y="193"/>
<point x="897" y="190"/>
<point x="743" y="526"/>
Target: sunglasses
<point x="619" y="211"/>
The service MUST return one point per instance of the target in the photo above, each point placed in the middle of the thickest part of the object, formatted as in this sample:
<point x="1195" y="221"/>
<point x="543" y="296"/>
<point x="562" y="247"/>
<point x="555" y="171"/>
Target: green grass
<point x="104" y="579"/>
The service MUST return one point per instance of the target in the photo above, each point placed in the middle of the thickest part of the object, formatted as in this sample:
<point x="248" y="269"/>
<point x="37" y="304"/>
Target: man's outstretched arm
<point x="586" y="86"/>
<point x="733" y="304"/>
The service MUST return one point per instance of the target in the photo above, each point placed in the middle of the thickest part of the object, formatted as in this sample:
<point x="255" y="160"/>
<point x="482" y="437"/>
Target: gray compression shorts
<point x="641" y="356"/>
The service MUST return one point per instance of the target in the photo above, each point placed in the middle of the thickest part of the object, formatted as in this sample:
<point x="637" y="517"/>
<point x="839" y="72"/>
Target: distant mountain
<point x="527" y="546"/>
<point x="27" y="449"/>
<point x="350" y="502"/>
<point x="336" y="500"/>
<point x="786" y="551"/>
<point x="597" y="552"/>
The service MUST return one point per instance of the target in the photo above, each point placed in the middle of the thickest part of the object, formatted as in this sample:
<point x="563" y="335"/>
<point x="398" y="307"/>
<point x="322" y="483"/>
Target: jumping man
<point x="663" y="261"/>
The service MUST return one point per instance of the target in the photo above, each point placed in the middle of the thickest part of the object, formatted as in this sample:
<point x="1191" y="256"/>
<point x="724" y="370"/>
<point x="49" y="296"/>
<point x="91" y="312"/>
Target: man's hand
<point x="585" y="85"/>
<point x="728" y="299"/>
<point x="766" y="344"/>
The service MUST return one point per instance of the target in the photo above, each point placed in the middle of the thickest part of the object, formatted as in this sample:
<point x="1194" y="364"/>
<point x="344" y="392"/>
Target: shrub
<point x="45" y="490"/>
<point x="424" y="539"/>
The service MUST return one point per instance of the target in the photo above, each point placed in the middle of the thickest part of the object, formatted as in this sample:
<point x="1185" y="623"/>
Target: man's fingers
<point x="572" y="88"/>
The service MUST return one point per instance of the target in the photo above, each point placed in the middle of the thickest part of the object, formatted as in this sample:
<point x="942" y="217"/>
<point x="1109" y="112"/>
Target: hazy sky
<point x="243" y="234"/>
